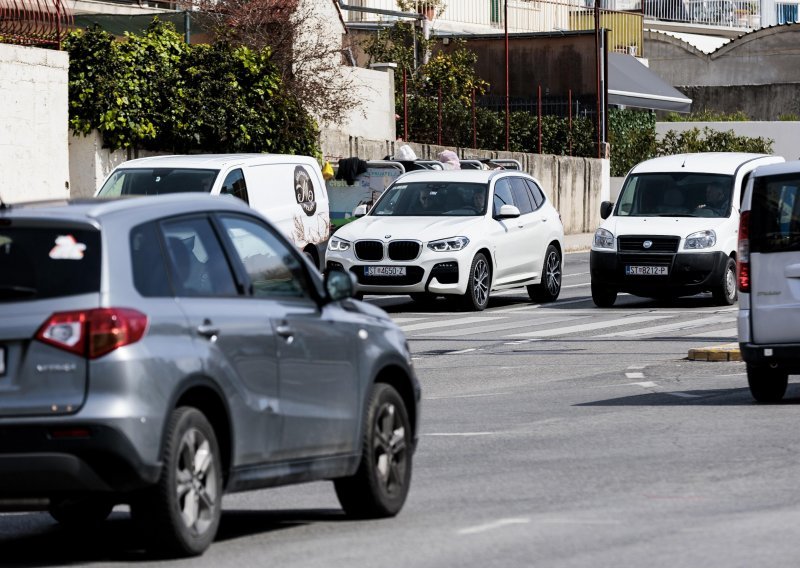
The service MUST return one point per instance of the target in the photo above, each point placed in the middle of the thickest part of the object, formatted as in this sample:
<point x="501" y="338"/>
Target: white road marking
<point x="637" y="366"/>
<point x="578" y="286"/>
<point x="446" y="323"/>
<point x="659" y="329"/>
<point x="459" y="434"/>
<point x="501" y="326"/>
<point x="717" y="334"/>
<point x="645" y="384"/>
<point x="494" y="525"/>
<point x="634" y="375"/>
<point x="481" y="395"/>
<point x="460" y="351"/>
<point x="399" y="321"/>
<point x="589" y="326"/>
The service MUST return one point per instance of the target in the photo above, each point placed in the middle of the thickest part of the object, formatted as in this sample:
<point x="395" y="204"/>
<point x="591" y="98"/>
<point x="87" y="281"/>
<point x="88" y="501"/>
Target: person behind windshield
<point x="477" y="201"/>
<point x="424" y="202"/>
<point x="715" y="200"/>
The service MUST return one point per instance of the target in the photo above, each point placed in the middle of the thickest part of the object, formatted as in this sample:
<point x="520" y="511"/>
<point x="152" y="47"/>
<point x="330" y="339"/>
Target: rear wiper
<point x="11" y="291"/>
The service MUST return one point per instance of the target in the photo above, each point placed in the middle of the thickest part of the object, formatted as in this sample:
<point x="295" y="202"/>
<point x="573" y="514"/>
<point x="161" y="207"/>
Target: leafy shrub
<point x="154" y="91"/>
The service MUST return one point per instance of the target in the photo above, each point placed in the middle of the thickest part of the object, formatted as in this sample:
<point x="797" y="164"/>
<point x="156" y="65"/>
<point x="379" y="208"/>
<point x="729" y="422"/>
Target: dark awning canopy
<point x="632" y="84"/>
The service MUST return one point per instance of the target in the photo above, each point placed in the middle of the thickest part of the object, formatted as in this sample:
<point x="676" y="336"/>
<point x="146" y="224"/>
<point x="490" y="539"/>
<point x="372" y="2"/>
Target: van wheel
<point x="380" y="485"/>
<point x="603" y="296"/>
<point x="766" y="384"/>
<point x="476" y="297"/>
<point x="550" y="286"/>
<point x="181" y="513"/>
<point x="725" y="293"/>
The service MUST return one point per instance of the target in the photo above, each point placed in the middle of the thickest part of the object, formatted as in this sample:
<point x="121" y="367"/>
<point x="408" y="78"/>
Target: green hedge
<point x="156" y="92"/>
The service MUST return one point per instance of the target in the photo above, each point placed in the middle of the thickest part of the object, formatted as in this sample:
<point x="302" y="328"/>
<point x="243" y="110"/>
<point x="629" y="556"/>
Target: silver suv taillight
<point x="93" y="333"/>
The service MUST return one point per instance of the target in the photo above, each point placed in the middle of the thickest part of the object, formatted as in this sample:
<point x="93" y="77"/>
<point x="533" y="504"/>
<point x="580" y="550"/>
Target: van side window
<point x="235" y="185"/>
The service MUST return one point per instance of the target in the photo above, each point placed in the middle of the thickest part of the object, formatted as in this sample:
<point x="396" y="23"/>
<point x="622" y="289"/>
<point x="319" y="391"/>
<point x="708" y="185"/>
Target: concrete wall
<point x="784" y="134"/>
<point x="33" y="124"/>
<point x="575" y="185"/>
<point x="758" y="102"/>
<point x="761" y="57"/>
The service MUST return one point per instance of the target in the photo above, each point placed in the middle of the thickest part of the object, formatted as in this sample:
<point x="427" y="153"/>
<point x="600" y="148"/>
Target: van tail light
<point x="93" y="333"/>
<point x="743" y="262"/>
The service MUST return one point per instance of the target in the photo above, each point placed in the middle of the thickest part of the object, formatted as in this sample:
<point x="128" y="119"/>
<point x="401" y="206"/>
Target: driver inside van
<point x="716" y="200"/>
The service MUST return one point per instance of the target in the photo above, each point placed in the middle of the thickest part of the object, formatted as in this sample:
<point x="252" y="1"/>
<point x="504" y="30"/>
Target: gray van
<point x="769" y="279"/>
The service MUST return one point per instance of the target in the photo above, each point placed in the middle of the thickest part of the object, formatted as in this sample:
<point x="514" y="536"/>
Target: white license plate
<point x="385" y="270"/>
<point x="2" y="361"/>
<point x="647" y="270"/>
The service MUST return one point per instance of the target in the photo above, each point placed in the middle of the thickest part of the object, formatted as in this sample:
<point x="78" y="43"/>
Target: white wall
<point x="375" y="119"/>
<point x="34" y="160"/>
<point x="784" y="133"/>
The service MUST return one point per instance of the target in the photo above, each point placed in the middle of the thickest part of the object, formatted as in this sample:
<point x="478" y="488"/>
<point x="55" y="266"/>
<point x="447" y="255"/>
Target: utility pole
<point x="508" y="82"/>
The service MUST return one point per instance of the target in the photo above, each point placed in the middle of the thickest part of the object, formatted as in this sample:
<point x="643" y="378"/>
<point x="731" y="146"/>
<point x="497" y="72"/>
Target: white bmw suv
<point x="459" y="233"/>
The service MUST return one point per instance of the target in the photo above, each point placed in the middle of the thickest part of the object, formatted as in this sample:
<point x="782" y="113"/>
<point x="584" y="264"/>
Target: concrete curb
<point x="726" y="352"/>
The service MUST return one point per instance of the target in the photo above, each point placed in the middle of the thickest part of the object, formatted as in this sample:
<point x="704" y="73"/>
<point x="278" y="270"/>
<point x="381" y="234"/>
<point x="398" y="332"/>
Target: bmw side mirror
<point x="339" y="284"/>
<point x="508" y="212"/>
<point x="605" y="209"/>
<point x="360" y="210"/>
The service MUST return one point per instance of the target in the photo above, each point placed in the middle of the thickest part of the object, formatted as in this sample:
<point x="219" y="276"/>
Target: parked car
<point x="673" y="230"/>
<point x="288" y="190"/>
<point x="455" y="233"/>
<point x="769" y="279"/>
<point x="165" y="350"/>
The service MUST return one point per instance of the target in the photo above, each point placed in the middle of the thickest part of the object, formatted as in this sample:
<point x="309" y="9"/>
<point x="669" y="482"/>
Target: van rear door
<point x="775" y="259"/>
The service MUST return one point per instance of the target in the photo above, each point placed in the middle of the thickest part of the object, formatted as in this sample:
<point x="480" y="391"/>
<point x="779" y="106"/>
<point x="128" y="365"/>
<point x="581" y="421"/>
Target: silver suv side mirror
<point x="339" y="284"/>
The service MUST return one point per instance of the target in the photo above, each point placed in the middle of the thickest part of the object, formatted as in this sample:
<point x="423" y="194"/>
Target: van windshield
<point x="154" y="181"/>
<point x="678" y="194"/>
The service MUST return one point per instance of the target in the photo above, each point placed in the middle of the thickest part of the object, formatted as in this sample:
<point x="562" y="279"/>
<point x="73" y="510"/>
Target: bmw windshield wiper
<point x="11" y="291"/>
<point x="675" y="215"/>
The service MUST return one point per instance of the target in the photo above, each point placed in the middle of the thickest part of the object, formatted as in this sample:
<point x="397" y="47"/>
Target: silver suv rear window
<point x="38" y="263"/>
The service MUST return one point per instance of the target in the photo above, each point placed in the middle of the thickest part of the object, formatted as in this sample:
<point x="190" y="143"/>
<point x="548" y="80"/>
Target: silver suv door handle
<point x="207" y="329"/>
<point x="284" y="331"/>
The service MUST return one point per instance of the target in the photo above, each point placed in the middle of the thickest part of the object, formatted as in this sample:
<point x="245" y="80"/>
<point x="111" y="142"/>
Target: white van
<point x="769" y="279"/>
<point x="673" y="230"/>
<point x="288" y="190"/>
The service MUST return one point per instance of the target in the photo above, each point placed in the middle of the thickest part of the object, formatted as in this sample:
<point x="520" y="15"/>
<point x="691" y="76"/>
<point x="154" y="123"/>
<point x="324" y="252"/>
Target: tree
<point x="305" y="48"/>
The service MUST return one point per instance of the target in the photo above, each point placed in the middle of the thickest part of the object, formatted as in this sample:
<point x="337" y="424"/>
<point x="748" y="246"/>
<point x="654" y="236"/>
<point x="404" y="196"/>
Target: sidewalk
<point x="582" y="242"/>
<point x="579" y="242"/>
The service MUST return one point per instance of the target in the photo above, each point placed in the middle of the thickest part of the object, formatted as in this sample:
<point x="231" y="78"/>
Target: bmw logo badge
<point x="647" y="244"/>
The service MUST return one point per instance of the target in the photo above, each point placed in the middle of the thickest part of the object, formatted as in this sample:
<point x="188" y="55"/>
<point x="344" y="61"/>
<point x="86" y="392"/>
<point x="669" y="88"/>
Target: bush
<point x="709" y="140"/>
<point x="156" y="92"/>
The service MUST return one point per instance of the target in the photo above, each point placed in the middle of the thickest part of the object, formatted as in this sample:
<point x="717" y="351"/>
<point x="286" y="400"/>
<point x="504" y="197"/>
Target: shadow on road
<point x="34" y="539"/>
<point x="712" y="397"/>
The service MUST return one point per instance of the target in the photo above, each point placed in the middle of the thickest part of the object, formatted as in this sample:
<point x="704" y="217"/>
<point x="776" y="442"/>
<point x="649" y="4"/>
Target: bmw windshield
<point x="432" y="199"/>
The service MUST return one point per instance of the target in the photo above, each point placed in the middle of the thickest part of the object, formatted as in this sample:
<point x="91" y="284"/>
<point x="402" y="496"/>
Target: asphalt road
<point x="554" y="435"/>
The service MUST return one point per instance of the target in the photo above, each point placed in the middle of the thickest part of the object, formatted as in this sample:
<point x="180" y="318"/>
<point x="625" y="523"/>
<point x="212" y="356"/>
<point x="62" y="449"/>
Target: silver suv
<point x="160" y="351"/>
<point x="769" y="279"/>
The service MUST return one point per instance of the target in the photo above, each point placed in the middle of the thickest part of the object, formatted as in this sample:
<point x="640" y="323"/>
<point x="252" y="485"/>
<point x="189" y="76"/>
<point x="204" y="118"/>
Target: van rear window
<point x="39" y="263"/>
<point x="155" y="181"/>
<point x="775" y="214"/>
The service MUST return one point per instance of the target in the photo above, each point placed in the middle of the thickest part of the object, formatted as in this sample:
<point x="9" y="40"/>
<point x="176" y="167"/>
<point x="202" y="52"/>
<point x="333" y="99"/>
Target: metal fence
<point x="34" y="22"/>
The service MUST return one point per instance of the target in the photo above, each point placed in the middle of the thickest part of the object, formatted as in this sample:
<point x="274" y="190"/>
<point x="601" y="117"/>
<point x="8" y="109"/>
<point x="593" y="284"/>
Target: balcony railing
<point x="34" y="22"/>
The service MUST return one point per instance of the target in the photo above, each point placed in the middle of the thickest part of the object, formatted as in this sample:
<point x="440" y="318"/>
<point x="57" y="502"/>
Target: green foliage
<point x="632" y="136"/>
<point x="156" y="92"/>
<point x="789" y="117"/>
<point x="707" y="116"/>
<point x="709" y="140"/>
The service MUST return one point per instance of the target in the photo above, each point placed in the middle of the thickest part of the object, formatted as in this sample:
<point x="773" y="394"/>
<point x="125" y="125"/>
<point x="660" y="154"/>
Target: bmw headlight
<point x="603" y="239"/>
<point x="448" y="245"/>
<point x="701" y="240"/>
<point x="338" y="245"/>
